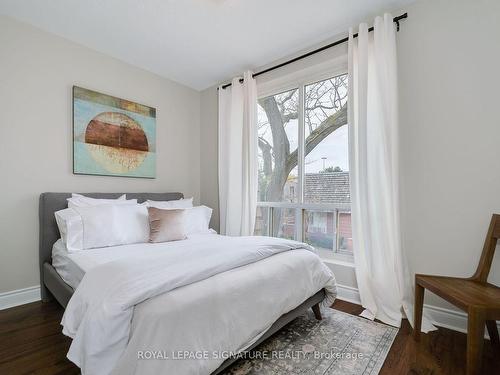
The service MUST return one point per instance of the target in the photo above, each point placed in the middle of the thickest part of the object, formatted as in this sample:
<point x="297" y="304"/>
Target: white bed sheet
<point x="72" y="266"/>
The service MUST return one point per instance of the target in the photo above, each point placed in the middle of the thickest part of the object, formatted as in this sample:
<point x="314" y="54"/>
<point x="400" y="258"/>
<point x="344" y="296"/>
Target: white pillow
<point x="198" y="220"/>
<point x="104" y="225"/>
<point x="78" y="200"/>
<point x="165" y="205"/>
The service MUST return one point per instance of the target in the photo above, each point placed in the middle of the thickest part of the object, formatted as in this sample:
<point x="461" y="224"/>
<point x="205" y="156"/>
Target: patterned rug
<point x="338" y="344"/>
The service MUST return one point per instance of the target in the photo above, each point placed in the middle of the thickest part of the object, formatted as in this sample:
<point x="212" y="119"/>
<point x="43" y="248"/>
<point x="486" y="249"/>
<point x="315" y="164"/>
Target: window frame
<point x="299" y="80"/>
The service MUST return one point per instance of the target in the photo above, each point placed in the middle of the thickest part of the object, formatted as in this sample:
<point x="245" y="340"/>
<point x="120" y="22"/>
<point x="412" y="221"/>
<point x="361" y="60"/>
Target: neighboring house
<point x="328" y="187"/>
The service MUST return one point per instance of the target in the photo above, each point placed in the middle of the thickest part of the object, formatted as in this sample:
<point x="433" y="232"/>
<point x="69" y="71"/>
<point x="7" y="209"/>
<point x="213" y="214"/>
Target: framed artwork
<point x="112" y="136"/>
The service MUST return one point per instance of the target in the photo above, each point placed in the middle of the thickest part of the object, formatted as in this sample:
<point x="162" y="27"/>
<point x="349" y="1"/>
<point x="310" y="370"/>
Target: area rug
<point x="338" y="344"/>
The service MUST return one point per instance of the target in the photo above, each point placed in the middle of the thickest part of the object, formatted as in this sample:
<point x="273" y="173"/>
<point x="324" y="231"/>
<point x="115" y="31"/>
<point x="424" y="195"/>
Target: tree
<point x="325" y="106"/>
<point x="325" y="112"/>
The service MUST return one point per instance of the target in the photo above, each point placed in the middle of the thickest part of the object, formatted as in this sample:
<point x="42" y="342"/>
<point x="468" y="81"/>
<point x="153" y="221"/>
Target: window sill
<point x="338" y="259"/>
<point x="338" y="262"/>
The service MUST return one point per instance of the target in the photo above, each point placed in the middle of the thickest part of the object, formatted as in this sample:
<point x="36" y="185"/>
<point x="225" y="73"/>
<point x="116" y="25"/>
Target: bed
<point x="53" y="285"/>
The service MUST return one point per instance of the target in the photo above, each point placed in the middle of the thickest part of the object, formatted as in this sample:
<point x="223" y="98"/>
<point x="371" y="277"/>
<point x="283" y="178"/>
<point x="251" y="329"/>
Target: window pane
<point x="326" y="171"/>
<point x="284" y="223"/>
<point x="345" y="233"/>
<point x="319" y="229"/>
<point x="278" y="140"/>
<point x="262" y="222"/>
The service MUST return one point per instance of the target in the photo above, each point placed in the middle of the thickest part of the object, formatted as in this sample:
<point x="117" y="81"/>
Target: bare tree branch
<point x="326" y="128"/>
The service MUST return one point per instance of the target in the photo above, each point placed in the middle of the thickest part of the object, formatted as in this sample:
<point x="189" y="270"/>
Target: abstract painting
<point x="112" y="136"/>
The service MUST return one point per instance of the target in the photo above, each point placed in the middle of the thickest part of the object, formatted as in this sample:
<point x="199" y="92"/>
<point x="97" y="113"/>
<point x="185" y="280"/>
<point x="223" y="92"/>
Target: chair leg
<point x="493" y="332"/>
<point x="475" y="341"/>
<point x="317" y="312"/>
<point x="418" y="310"/>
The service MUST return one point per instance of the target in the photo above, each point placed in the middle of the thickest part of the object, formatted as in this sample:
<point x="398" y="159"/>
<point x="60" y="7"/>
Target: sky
<point x="334" y="148"/>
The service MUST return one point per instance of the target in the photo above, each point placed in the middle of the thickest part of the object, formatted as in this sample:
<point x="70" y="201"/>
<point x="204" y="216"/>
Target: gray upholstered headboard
<point x="52" y="202"/>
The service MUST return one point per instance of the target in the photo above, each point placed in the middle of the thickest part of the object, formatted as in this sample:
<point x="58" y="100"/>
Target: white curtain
<point x="384" y="281"/>
<point x="238" y="156"/>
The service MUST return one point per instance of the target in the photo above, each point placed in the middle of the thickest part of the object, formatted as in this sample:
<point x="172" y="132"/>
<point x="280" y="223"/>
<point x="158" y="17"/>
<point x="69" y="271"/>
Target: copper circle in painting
<point x="116" y="141"/>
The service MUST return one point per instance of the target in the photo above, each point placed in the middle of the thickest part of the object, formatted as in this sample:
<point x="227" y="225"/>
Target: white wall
<point x="37" y="72"/>
<point x="450" y="135"/>
<point x="449" y="59"/>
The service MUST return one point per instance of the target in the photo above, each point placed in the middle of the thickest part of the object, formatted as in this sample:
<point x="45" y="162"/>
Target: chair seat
<point x="463" y="293"/>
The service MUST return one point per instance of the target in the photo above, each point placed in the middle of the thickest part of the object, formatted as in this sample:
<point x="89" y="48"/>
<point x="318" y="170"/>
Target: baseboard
<point x="348" y="293"/>
<point x="440" y="317"/>
<point x="451" y="319"/>
<point x="19" y="297"/>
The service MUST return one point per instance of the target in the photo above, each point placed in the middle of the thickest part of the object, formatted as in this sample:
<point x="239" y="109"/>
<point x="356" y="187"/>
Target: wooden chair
<point x="478" y="298"/>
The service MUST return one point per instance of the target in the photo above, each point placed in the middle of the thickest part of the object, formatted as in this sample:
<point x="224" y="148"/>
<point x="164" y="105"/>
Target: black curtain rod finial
<point x="399" y="18"/>
<point x="395" y="20"/>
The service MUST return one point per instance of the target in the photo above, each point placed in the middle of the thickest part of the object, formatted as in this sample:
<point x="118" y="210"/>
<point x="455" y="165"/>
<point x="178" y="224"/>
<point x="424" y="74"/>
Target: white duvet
<point x="203" y="297"/>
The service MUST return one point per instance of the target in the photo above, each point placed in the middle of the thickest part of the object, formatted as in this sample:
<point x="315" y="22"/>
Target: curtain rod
<point x="336" y="43"/>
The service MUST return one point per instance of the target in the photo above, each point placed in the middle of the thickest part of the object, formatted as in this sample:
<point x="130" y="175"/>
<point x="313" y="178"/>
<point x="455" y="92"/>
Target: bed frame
<point x="53" y="286"/>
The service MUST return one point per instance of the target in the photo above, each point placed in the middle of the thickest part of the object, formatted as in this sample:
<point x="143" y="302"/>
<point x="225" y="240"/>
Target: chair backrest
<point x="490" y="244"/>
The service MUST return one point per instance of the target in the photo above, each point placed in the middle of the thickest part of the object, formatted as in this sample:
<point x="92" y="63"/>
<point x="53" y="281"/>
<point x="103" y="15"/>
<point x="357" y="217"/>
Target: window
<point x="303" y="165"/>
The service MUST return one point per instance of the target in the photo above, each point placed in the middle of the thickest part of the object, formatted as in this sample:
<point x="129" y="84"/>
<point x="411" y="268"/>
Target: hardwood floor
<point x="31" y="342"/>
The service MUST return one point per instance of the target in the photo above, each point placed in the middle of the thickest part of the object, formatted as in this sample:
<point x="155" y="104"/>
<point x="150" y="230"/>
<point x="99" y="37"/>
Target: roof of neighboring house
<point x="327" y="187"/>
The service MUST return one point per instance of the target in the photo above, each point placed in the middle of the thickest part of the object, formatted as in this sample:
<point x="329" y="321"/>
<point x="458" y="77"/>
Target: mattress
<point x="65" y="266"/>
<point x="72" y="266"/>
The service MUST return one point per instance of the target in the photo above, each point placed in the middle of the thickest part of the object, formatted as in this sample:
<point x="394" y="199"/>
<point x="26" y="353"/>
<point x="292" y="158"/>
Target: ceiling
<point x="196" y="42"/>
